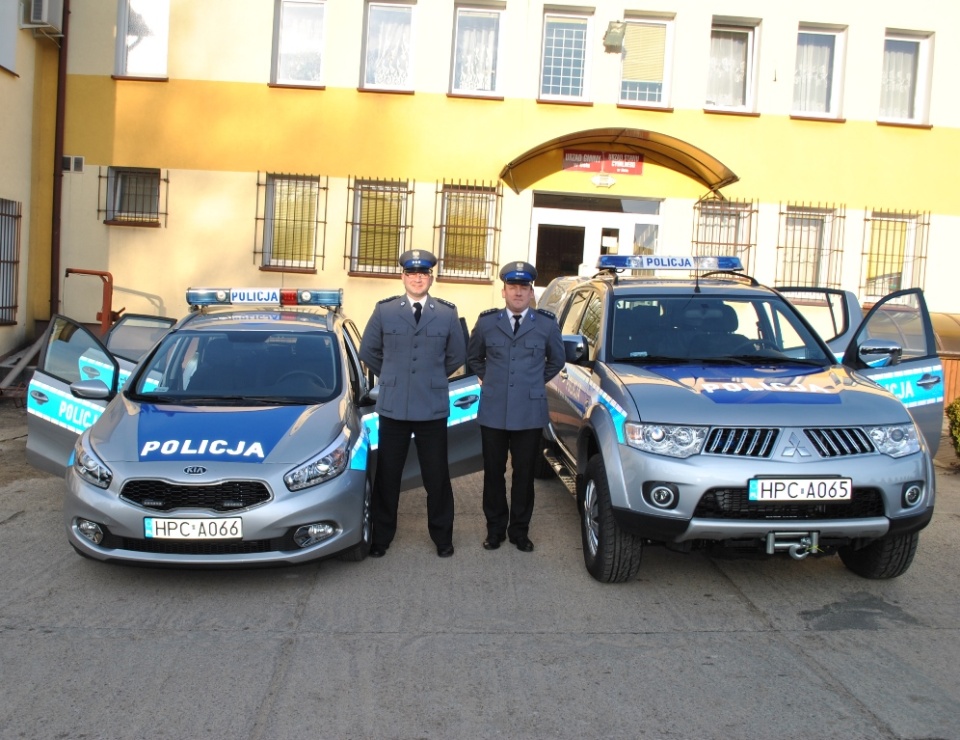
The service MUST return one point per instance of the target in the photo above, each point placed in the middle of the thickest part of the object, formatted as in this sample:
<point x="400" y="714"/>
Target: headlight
<point x="895" y="440"/>
<point x="88" y="466"/>
<point x="328" y="464"/>
<point x="666" y="439"/>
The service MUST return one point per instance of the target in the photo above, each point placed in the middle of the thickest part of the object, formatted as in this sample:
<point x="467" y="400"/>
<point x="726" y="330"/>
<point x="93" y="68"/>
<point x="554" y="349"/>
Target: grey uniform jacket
<point x="515" y="368"/>
<point x="413" y="360"/>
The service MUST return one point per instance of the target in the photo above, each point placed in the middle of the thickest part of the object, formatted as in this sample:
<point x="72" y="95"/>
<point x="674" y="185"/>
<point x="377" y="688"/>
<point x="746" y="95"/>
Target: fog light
<point x="90" y="530"/>
<point x="311" y="534"/>
<point x="661" y="495"/>
<point x="912" y="495"/>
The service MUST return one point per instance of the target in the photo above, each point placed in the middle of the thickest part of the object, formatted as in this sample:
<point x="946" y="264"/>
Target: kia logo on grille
<point x="195" y="470"/>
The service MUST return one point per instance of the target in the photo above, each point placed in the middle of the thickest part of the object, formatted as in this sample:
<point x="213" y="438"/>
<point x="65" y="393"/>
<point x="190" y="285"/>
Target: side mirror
<point x="574" y="348"/>
<point x="95" y="389"/>
<point x="880" y="353"/>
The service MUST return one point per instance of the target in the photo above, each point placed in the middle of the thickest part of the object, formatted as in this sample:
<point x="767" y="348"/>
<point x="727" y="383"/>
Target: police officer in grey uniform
<point x="515" y="350"/>
<point x="413" y="342"/>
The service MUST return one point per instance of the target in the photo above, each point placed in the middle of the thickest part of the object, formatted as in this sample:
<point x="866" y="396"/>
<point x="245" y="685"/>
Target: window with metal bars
<point x="810" y="245"/>
<point x="894" y="252"/>
<point x="467" y="225"/>
<point x="133" y="196"/>
<point x="291" y="221"/>
<point x="725" y="228"/>
<point x="10" y="214"/>
<point x="378" y="225"/>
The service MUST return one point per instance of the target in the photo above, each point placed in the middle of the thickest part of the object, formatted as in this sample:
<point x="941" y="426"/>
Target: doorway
<point x="559" y="251"/>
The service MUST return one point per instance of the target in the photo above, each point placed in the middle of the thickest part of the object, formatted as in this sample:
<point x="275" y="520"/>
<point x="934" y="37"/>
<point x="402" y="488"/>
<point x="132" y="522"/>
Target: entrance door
<point x="569" y="232"/>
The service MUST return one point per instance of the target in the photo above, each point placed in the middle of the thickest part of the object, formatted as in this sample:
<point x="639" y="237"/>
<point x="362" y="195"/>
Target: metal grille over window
<point x="810" y="245"/>
<point x="291" y="221"/>
<point x="467" y="226"/>
<point x="133" y="196"/>
<point x="894" y="252"/>
<point x="378" y="224"/>
<point x="10" y="213"/>
<point x="725" y="228"/>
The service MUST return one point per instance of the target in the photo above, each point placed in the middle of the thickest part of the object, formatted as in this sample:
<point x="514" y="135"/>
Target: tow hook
<point x="797" y="544"/>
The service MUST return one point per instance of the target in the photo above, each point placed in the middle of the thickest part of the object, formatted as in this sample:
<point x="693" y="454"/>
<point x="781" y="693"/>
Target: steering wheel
<point x="312" y="377"/>
<point x="755" y="344"/>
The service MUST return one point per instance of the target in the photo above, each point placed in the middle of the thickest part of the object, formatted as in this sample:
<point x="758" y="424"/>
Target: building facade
<point x="309" y="142"/>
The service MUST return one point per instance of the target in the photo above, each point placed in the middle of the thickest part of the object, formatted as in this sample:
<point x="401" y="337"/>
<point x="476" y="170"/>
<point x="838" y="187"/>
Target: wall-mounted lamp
<point x="613" y="38"/>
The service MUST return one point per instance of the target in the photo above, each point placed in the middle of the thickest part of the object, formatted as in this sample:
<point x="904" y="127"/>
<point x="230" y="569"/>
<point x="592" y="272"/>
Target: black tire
<point x="542" y="470"/>
<point x="887" y="557"/>
<point x="359" y="551"/>
<point x="610" y="554"/>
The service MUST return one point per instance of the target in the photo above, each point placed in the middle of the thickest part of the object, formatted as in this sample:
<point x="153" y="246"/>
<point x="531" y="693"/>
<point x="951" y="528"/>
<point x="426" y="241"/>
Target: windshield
<point x="241" y="366"/>
<point x="693" y="328"/>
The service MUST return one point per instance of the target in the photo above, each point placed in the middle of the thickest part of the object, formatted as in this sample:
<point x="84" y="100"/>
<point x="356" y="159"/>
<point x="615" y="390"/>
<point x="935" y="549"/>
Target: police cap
<point x="518" y="273"/>
<point x="417" y="260"/>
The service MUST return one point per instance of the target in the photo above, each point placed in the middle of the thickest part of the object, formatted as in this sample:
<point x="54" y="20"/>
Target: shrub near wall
<point x="953" y="416"/>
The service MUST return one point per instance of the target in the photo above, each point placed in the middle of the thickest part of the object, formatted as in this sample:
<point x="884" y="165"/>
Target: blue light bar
<point x="666" y="262"/>
<point x="330" y="298"/>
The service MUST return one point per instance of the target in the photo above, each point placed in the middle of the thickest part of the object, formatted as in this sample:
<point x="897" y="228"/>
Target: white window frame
<point x="587" y="20"/>
<point x="291" y="40"/>
<point x="921" y="90"/>
<point x="457" y="86"/>
<point x="472" y="196"/>
<point x="750" y="32"/>
<point x="667" y="70"/>
<point x="306" y="230"/>
<point x="151" y="59"/>
<point x="403" y="78"/>
<point x="835" y="72"/>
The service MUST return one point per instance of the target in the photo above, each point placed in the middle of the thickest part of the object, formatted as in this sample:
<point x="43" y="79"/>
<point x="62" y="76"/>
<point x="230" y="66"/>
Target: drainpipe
<point x="58" y="166"/>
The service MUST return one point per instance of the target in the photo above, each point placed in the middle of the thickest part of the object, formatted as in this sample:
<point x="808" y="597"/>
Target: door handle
<point x="462" y="403"/>
<point x="928" y="381"/>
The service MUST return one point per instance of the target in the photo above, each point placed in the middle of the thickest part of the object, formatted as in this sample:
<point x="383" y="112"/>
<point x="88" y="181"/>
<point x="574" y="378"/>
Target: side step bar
<point x="559" y="467"/>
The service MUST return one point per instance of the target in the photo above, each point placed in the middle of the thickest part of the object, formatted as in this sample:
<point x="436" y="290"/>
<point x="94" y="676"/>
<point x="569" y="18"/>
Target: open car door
<point x="900" y="318"/>
<point x="76" y="377"/>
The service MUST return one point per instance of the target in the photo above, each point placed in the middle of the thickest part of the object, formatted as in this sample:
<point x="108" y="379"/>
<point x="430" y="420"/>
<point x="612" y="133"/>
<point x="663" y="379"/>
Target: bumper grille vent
<point x="733" y="503"/>
<point x="225" y="497"/>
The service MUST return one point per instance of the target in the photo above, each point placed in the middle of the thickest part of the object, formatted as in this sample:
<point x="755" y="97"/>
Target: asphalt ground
<point x="499" y="644"/>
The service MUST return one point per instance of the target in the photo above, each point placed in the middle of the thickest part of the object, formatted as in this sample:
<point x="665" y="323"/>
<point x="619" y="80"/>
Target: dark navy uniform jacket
<point x="413" y="360"/>
<point x="515" y="368"/>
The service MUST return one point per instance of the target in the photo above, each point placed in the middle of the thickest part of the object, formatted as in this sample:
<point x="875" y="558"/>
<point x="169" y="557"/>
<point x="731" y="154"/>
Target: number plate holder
<point x="229" y="528"/>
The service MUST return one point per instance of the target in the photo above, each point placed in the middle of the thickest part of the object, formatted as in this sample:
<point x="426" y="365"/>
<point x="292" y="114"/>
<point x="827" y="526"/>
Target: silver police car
<point x="707" y="412"/>
<point x="245" y="436"/>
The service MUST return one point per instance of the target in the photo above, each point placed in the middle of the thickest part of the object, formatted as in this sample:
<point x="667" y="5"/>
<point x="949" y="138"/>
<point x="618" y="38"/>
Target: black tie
<point x="516" y="322"/>
<point x="417" y="308"/>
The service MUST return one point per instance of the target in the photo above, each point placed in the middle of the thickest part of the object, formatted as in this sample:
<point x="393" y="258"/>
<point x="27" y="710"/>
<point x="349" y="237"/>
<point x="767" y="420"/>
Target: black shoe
<point x="445" y="551"/>
<point x="523" y="543"/>
<point x="377" y="551"/>
<point x="493" y="541"/>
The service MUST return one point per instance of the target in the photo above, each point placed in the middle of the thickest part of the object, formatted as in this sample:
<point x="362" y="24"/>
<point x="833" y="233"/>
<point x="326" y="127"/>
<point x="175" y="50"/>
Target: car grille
<point x="733" y="503"/>
<point x="226" y="496"/>
<point x="840" y="442"/>
<point x="741" y="442"/>
<point x="179" y="547"/>
<point x="760" y="443"/>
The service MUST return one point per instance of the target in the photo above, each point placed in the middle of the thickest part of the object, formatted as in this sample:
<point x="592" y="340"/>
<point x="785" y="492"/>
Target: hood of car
<point x="144" y="432"/>
<point x="757" y="396"/>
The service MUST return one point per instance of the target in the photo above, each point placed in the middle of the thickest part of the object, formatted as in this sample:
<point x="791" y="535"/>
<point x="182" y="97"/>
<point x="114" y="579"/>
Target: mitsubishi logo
<point x="795" y="447"/>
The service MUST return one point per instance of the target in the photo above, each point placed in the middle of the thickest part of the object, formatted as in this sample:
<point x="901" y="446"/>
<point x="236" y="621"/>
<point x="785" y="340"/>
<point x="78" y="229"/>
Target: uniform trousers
<point x="430" y="438"/>
<point x="523" y="446"/>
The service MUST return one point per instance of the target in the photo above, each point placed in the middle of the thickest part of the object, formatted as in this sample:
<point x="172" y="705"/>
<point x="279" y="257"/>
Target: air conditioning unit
<point x="46" y="14"/>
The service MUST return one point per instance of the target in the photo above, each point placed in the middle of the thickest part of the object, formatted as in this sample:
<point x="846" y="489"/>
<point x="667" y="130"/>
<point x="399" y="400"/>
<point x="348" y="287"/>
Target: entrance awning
<point x="666" y="151"/>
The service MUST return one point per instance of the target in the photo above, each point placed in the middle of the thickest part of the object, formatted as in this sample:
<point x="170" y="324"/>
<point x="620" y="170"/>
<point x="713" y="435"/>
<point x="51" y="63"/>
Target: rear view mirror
<point x="574" y="348"/>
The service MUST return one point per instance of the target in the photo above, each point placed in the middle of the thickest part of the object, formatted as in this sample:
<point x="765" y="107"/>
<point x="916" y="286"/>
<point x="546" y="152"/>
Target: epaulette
<point x="391" y="298"/>
<point x="445" y="303"/>
<point x="546" y="313"/>
<point x="488" y="312"/>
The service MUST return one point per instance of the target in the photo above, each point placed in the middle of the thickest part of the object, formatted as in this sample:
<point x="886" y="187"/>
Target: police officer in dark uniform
<point x="515" y="350"/>
<point x="413" y="342"/>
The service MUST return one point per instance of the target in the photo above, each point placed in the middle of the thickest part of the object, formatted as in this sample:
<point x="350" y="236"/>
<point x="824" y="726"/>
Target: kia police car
<point x="707" y="412"/>
<point x="246" y="436"/>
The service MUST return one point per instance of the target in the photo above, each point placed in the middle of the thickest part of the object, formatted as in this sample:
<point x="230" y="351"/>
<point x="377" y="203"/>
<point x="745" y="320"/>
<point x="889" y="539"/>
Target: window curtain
<point x="813" y="79"/>
<point x="805" y="250"/>
<point x="145" y="38"/>
<point x="388" y="47"/>
<point x="476" y="64"/>
<point x="899" y="85"/>
<point x="299" y="56"/>
<point x="727" y="78"/>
